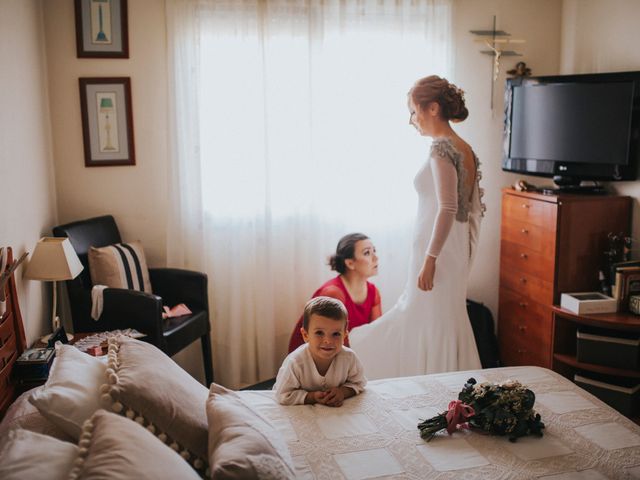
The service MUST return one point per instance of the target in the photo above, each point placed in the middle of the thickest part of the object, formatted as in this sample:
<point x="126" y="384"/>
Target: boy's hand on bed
<point x="314" y="397"/>
<point x="334" y="397"/>
<point x="319" y="396"/>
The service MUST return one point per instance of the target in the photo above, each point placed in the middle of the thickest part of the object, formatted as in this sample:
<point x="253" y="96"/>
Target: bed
<point x="136" y="414"/>
<point x="374" y="435"/>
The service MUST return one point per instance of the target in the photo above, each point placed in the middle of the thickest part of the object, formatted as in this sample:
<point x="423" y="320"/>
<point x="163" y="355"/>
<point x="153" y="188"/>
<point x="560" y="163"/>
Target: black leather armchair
<point x="136" y="309"/>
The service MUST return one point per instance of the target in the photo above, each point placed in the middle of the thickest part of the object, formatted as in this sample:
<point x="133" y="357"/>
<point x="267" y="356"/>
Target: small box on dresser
<point x="606" y="349"/>
<point x="588" y="302"/>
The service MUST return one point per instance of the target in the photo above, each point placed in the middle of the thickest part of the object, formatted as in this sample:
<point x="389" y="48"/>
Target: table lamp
<point x="53" y="259"/>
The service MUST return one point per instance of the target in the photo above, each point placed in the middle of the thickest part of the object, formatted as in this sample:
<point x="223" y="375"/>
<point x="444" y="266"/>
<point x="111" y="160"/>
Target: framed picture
<point x="107" y="121"/>
<point x="101" y="29"/>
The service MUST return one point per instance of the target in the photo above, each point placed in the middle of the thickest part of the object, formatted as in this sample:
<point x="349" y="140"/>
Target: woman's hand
<point x="425" y="278"/>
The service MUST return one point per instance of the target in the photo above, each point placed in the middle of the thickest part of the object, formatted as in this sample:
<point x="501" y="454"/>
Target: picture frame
<point x="102" y="29"/>
<point x="107" y="121"/>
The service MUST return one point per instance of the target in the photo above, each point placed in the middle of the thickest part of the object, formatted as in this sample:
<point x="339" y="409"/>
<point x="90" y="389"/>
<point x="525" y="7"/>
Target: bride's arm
<point x="445" y="179"/>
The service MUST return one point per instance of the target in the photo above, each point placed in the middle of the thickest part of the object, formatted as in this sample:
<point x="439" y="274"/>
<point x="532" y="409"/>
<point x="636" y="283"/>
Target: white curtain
<point x="288" y="129"/>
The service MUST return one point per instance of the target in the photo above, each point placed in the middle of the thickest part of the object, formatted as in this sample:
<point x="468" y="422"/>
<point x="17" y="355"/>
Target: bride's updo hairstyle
<point x="449" y="97"/>
<point x="345" y="250"/>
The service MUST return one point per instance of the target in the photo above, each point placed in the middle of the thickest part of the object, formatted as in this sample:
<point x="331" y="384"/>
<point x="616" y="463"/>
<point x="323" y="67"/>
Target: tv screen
<point x="572" y="122"/>
<point x="573" y="127"/>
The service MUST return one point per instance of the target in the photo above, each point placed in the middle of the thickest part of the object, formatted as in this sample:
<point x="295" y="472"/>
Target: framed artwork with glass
<point x="101" y="29"/>
<point x="107" y="121"/>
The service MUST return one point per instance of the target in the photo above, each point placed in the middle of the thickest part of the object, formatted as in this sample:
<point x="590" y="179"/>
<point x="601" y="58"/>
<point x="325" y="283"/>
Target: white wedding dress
<point x="430" y="332"/>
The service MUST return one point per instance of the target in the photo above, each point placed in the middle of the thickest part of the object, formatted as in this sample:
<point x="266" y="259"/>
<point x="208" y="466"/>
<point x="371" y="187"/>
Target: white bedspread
<point x="375" y="434"/>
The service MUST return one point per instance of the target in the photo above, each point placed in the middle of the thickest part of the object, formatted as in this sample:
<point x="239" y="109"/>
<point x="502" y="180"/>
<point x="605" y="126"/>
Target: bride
<point x="428" y="329"/>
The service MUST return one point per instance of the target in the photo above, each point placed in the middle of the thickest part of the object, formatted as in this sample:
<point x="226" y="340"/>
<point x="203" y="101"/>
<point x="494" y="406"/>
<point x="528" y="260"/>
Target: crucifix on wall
<point x="496" y="41"/>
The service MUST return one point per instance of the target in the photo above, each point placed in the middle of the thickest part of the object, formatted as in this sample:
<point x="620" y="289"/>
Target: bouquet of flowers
<point x="505" y="409"/>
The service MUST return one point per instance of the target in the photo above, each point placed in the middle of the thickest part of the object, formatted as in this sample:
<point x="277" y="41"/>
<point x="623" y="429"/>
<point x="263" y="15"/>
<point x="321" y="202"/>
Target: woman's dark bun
<point x="437" y="89"/>
<point x="344" y="251"/>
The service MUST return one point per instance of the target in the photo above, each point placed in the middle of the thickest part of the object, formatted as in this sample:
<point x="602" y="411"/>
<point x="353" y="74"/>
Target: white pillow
<point x="72" y="392"/>
<point x="242" y="443"/>
<point x="110" y="447"/>
<point x="138" y="381"/>
<point x="22" y="414"/>
<point x="114" y="447"/>
<point x="147" y="386"/>
<point x="27" y="455"/>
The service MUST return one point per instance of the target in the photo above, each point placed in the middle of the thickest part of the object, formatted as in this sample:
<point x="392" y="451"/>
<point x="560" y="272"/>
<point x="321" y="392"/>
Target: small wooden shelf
<point x="571" y="361"/>
<point x="614" y="321"/>
<point x="564" y="343"/>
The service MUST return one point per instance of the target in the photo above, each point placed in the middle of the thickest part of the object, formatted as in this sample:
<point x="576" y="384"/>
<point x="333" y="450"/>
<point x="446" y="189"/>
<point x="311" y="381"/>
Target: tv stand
<point x="549" y="244"/>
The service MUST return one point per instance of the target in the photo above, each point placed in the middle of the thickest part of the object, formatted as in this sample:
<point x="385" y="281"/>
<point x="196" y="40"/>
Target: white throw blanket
<point x="97" y="301"/>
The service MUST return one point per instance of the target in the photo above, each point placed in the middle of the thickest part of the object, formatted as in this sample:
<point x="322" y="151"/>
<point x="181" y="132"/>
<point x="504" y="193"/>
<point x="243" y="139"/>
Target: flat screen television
<point x="573" y="127"/>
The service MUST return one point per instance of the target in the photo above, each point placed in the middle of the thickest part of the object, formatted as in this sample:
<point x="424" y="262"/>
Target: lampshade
<point x="53" y="259"/>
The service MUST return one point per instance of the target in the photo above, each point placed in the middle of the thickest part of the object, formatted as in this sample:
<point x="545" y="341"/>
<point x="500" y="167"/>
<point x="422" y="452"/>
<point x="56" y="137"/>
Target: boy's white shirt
<point x="299" y="375"/>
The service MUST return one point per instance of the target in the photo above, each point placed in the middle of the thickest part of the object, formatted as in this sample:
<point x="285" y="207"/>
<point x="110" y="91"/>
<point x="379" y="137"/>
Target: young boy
<point x="322" y="370"/>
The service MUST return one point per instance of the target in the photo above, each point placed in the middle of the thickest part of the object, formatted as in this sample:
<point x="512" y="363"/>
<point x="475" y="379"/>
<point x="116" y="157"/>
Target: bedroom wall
<point x="600" y="36"/>
<point x="136" y="195"/>
<point x="539" y="23"/>
<point x="562" y="37"/>
<point x="26" y="166"/>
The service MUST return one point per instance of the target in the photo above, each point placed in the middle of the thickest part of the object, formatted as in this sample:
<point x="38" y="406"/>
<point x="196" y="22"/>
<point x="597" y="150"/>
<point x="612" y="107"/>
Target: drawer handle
<point x="520" y="350"/>
<point x="525" y="205"/>
<point x="524" y="255"/>
<point x="523" y="280"/>
<point x="522" y="328"/>
<point x="525" y="231"/>
<point x="523" y="304"/>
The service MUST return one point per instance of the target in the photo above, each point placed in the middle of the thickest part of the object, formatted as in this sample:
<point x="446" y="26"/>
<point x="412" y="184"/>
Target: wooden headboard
<point x="12" y="340"/>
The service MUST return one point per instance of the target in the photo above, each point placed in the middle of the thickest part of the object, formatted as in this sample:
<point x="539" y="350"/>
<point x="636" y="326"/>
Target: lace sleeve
<point x="474" y="225"/>
<point x="445" y="179"/>
<point x="477" y="212"/>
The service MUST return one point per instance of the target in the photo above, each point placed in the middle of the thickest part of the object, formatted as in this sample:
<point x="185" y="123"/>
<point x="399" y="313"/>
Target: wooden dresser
<point x="12" y="341"/>
<point x="550" y="244"/>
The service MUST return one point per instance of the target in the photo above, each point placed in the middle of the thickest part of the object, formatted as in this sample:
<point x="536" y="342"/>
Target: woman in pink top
<point x="355" y="260"/>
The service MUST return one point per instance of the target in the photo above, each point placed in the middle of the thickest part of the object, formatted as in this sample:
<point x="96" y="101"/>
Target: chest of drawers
<point x="549" y="244"/>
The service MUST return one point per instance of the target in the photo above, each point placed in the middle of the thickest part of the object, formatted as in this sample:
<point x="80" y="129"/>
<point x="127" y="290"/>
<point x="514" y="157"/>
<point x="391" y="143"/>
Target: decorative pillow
<point x="121" y="265"/>
<point x="72" y="391"/>
<point x="242" y="443"/>
<point x="114" y="447"/>
<point x="110" y="447"/>
<point x="147" y="386"/>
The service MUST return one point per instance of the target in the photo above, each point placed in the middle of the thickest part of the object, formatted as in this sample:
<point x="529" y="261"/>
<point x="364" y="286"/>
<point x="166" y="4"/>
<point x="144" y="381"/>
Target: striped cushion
<point x="121" y="265"/>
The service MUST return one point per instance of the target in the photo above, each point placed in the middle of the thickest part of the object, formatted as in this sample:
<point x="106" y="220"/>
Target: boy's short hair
<point x="325" y="306"/>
